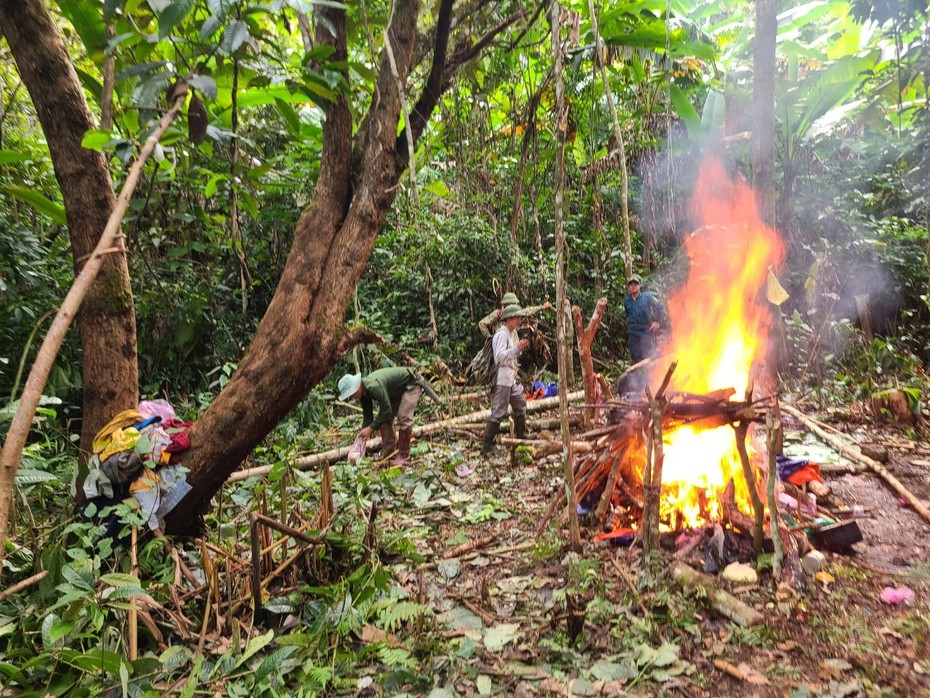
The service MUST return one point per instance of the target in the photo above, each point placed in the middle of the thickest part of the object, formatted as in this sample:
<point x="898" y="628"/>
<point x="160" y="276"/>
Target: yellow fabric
<point x="124" y="419"/>
<point x="148" y="480"/>
<point x="120" y="440"/>
<point x="774" y="291"/>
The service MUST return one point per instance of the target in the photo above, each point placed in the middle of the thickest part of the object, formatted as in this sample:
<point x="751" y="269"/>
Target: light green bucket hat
<point x="348" y="384"/>
<point x="510" y="298"/>
<point x="512" y="311"/>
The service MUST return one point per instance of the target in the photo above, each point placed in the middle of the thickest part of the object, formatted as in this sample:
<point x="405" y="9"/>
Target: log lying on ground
<point x="336" y="454"/>
<point x="722" y="602"/>
<point x="847" y="450"/>
<point x="542" y="447"/>
<point x="541" y="423"/>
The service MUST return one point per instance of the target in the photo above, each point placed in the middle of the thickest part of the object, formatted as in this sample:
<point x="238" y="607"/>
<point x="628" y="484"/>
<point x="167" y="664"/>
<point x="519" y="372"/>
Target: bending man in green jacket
<point x="397" y="394"/>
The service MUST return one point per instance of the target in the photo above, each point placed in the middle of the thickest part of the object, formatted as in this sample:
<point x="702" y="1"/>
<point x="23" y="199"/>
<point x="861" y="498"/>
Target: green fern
<point x="396" y="658"/>
<point x="319" y="675"/>
<point x="393" y="614"/>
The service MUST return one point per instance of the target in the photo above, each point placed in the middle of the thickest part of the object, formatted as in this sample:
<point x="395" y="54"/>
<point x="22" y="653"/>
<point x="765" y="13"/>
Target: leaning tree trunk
<point x="302" y="335"/>
<point x="107" y="321"/>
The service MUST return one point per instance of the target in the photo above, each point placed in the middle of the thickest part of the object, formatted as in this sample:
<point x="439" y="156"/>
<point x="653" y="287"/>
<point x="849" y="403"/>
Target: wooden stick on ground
<point x="877" y="467"/>
<point x="721" y="601"/>
<point x="468" y="547"/>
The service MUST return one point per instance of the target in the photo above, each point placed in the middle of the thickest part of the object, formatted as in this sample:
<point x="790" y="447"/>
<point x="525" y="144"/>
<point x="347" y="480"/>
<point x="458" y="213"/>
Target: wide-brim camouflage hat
<point x="512" y="311"/>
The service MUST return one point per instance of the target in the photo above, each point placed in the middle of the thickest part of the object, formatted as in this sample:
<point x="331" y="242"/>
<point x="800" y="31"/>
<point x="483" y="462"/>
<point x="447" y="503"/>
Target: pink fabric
<point x="898" y="595"/>
<point x="157" y="408"/>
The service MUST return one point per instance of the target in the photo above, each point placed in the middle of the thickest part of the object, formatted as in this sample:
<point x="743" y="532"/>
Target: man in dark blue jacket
<point x="645" y="315"/>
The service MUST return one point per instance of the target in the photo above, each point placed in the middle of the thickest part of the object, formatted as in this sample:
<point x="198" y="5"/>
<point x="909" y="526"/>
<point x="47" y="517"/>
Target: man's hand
<point x="365" y="433"/>
<point x="654" y="327"/>
<point x="523" y="344"/>
<point x="547" y="305"/>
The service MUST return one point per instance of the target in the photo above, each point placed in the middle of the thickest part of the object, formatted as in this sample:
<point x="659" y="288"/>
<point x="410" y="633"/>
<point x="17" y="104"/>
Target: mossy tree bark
<point x="106" y="322"/>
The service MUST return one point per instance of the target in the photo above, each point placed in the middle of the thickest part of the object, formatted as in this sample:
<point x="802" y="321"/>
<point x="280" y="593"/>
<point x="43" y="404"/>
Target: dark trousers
<point x="642" y="345"/>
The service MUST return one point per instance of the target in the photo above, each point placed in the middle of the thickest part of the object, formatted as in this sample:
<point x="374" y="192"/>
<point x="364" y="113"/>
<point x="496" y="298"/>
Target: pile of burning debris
<point x="713" y="482"/>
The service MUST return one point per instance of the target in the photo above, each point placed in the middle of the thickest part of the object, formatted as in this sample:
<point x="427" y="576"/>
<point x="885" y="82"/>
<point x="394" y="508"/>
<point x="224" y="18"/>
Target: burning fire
<point x="720" y="322"/>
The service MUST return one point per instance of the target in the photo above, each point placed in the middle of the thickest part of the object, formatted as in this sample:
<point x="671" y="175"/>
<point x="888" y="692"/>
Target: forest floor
<point x="503" y="610"/>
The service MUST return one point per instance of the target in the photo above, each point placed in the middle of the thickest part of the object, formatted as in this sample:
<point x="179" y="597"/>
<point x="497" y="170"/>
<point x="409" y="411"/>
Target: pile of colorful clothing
<point x="541" y="390"/>
<point x="138" y="454"/>
<point x="797" y="471"/>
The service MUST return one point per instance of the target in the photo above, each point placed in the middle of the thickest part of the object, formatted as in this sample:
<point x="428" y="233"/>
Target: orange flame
<point x="720" y="324"/>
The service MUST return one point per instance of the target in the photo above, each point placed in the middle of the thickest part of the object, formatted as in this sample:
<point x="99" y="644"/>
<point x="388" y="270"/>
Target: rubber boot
<point x="388" y="441"/>
<point x="490" y="432"/>
<point x="519" y="426"/>
<point x="403" y="446"/>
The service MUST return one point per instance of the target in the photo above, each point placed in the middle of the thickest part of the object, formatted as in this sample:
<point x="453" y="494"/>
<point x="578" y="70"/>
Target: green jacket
<point x="384" y="386"/>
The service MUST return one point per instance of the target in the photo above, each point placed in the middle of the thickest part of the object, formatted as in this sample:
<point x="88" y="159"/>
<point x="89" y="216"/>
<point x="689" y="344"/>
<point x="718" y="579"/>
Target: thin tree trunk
<point x="763" y="109"/>
<point x="561" y="299"/>
<point x="107" y="321"/>
<point x="621" y="145"/>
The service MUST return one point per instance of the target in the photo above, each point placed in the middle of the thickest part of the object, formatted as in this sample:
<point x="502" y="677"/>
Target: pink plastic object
<point x="357" y="452"/>
<point x="898" y="595"/>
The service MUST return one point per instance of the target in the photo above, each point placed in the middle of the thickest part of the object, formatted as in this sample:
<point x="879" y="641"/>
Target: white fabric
<point x="505" y="356"/>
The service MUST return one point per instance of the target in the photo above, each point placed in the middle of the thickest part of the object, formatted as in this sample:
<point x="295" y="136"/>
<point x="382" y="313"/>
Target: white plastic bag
<point x="357" y="452"/>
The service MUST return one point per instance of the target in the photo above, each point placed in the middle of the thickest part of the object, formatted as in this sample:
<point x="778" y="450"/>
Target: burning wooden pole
<point x="652" y="481"/>
<point x="774" y="426"/>
<point x="758" y="531"/>
<point x="585" y="337"/>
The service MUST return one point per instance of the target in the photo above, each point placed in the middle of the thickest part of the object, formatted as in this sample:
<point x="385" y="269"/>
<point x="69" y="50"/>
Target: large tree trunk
<point x="302" y="335"/>
<point x="763" y="110"/>
<point x="107" y="321"/>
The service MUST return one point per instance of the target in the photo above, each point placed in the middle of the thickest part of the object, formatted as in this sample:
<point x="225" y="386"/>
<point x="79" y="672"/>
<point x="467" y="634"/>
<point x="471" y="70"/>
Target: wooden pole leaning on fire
<point x="652" y="480"/>
<point x="774" y="426"/>
<point x="742" y="430"/>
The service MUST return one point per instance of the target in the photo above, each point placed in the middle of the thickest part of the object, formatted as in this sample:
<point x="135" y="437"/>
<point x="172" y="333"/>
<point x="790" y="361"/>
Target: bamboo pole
<point x="847" y="450"/>
<point x="336" y="454"/>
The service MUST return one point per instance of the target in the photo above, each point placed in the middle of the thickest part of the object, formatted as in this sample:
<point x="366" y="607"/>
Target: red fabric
<point x="806" y="473"/>
<point x="539" y="394"/>
<point x="616" y="533"/>
<point x="180" y="439"/>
